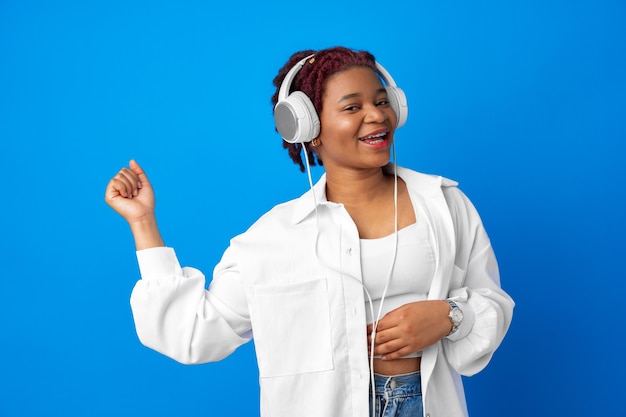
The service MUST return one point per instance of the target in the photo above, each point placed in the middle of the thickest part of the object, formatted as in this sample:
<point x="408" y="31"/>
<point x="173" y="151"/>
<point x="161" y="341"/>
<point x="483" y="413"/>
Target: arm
<point x="174" y="314"/>
<point x="475" y="287"/>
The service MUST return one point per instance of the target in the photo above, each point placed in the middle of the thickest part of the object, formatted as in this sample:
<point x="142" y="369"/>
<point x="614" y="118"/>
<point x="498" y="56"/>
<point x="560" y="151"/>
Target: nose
<point x="376" y="114"/>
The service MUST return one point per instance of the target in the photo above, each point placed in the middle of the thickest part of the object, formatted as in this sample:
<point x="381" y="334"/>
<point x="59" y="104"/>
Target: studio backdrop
<point x="521" y="102"/>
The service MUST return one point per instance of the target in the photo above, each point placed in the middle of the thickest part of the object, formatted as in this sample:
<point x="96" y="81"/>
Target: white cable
<point x="393" y="262"/>
<point x="341" y="273"/>
<point x="308" y="171"/>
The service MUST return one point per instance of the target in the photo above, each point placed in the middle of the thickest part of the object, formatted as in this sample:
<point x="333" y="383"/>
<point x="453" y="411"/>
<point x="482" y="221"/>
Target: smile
<point x="375" y="138"/>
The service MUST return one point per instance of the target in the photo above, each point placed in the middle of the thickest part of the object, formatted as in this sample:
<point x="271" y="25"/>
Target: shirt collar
<point x="305" y="205"/>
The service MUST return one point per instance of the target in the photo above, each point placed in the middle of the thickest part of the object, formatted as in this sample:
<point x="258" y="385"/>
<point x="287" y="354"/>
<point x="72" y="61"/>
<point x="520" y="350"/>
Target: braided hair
<point x="311" y="81"/>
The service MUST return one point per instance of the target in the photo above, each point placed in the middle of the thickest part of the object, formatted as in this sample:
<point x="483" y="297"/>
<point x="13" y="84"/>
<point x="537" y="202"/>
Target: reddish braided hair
<point x="311" y="80"/>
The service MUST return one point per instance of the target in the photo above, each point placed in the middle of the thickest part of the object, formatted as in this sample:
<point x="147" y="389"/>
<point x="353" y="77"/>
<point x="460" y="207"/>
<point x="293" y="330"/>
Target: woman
<point x="371" y="252"/>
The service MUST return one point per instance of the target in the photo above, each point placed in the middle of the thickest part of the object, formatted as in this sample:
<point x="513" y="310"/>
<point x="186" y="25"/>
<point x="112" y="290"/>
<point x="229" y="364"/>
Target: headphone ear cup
<point x="296" y="119"/>
<point x="398" y="102"/>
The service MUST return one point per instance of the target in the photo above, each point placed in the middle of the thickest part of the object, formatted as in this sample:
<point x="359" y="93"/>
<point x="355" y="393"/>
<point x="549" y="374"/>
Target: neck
<point x="354" y="188"/>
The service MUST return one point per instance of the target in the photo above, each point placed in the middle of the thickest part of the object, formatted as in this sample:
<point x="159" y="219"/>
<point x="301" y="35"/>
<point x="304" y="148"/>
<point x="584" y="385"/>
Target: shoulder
<point x="277" y="221"/>
<point x="415" y="179"/>
<point x="432" y="185"/>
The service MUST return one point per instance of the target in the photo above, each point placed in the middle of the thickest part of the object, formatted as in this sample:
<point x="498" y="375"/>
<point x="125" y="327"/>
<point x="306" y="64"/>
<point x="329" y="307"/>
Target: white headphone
<point x="295" y="116"/>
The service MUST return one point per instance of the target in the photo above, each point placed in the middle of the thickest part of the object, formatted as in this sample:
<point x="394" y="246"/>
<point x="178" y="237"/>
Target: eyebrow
<point x="353" y="95"/>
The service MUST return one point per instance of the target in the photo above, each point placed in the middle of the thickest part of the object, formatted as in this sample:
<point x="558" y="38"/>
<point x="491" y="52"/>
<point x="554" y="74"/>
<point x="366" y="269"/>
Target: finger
<point x="127" y="181"/>
<point x="141" y="175"/>
<point x="370" y="332"/>
<point x="387" y="322"/>
<point x="397" y="354"/>
<point x="119" y="187"/>
<point x="390" y="348"/>
<point x="135" y="181"/>
<point x="135" y="167"/>
<point x="386" y="335"/>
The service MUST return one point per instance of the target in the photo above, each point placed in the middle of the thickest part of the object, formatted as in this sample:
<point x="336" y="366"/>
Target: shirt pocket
<point x="291" y="327"/>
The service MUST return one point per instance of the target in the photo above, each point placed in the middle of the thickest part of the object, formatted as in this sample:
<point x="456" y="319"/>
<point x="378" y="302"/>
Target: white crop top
<point x="412" y="273"/>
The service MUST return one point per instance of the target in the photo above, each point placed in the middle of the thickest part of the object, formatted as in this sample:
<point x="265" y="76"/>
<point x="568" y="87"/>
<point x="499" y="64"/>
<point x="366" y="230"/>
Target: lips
<point x="377" y="137"/>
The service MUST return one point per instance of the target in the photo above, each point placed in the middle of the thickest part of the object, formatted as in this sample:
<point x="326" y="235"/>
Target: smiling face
<point x="357" y="123"/>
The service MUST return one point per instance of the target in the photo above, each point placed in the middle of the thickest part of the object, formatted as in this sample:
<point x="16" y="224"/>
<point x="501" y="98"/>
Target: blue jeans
<point x="398" y="395"/>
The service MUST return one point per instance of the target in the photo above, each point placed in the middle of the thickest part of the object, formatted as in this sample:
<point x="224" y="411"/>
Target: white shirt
<point x="300" y="292"/>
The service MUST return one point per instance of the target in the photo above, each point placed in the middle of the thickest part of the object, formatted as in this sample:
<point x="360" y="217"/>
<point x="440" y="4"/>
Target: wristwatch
<point x="456" y="316"/>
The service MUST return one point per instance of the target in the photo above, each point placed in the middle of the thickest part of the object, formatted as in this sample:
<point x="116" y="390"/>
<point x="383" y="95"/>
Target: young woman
<point x="378" y="277"/>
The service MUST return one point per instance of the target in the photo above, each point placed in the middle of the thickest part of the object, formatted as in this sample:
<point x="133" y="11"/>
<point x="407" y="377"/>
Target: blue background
<point x="522" y="102"/>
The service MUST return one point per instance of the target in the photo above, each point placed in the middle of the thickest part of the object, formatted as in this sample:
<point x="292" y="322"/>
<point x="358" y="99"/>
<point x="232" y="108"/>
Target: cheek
<point x="337" y="128"/>
<point x="391" y="115"/>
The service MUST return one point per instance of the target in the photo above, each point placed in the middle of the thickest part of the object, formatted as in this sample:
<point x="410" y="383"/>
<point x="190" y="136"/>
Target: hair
<point x="311" y="80"/>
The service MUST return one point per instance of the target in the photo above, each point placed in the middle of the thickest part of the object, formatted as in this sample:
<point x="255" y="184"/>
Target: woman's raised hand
<point x="130" y="194"/>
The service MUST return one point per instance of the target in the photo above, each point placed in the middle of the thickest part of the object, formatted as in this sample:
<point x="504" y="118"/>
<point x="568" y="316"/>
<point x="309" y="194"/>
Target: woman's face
<point x="356" y="122"/>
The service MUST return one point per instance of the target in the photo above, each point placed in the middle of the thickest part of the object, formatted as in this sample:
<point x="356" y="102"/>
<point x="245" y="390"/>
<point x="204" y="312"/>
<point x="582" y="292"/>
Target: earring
<point x="315" y="143"/>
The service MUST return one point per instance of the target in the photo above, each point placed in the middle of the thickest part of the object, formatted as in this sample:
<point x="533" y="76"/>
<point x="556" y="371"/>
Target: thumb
<point x="143" y="178"/>
<point x="134" y="166"/>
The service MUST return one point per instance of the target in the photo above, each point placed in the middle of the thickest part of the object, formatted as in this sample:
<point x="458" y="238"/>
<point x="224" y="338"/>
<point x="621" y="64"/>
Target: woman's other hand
<point x="410" y="328"/>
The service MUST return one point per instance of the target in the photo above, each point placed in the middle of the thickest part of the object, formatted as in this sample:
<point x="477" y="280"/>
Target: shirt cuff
<point x="158" y="263"/>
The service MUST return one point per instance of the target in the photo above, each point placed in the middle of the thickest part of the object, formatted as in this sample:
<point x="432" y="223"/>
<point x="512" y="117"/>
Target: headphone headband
<point x="286" y="84"/>
<point x="295" y="116"/>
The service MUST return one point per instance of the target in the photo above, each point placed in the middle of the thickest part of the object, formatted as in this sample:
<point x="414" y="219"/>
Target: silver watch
<point x="456" y="316"/>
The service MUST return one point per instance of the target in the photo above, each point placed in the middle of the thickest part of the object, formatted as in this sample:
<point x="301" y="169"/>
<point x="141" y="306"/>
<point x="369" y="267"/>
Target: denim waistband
<point x="398" y="385"/>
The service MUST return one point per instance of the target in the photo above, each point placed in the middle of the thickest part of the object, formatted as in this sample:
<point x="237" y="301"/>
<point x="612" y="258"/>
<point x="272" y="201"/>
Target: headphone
<point x="295" y="116"/>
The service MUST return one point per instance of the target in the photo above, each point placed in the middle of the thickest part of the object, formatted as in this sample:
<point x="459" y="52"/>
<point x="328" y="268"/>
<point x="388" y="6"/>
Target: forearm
<point x="146" y="233"/>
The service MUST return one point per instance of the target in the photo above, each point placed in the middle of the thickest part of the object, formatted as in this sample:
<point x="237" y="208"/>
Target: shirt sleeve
<point x="177" y="316"/>
<point x="475" y="287"/>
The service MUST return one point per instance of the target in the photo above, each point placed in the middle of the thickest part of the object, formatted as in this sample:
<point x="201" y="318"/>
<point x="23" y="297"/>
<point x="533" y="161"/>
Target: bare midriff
<point x="397" y="366"/>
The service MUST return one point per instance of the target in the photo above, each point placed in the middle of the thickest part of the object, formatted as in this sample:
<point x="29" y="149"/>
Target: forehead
<point x="355" y="80"/>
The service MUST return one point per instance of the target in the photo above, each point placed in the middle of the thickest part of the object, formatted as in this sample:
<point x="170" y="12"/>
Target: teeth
<point x="378" y="135"/>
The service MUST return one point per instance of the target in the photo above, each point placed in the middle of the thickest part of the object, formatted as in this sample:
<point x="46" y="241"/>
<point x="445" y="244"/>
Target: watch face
<point x="456" y="315"/>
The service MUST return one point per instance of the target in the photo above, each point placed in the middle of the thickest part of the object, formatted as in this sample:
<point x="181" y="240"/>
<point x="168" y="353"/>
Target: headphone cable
<point x="342" y="274"/>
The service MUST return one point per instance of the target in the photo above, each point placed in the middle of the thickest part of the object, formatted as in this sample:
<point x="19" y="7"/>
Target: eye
<point x="352" y="107"/>
<point x="383" y="102"/>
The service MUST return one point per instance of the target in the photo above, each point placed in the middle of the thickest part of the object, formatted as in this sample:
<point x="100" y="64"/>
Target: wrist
<point x="455" y="316"/>
<point x="146" y="232"/>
